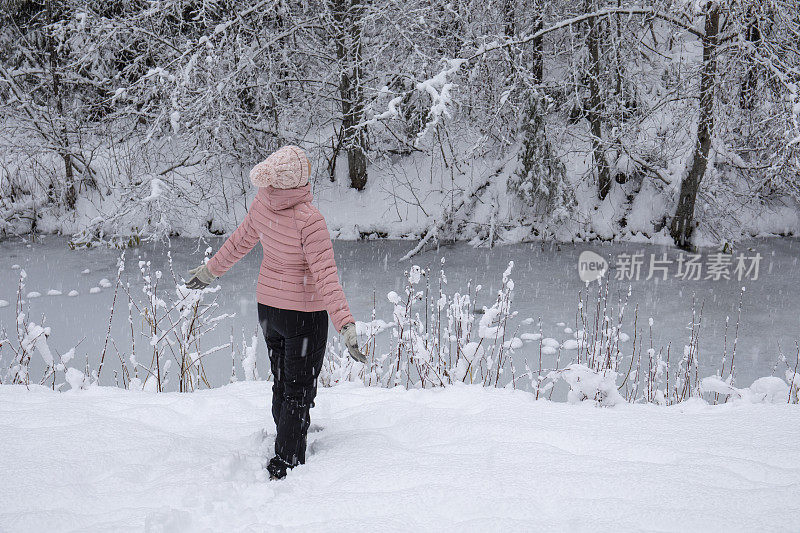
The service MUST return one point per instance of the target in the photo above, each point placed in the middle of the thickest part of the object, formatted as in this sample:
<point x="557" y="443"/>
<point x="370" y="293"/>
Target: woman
<point x="298" y="282"/>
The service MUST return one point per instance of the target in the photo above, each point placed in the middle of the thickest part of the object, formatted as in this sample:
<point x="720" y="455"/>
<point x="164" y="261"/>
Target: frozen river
<point x="546" y="286"/>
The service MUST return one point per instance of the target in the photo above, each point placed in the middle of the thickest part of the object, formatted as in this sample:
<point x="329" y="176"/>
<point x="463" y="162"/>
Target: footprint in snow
<point x="94" y="290"/>
<point x="72" y="293"/>
<point x="86" y="271"/>
<point x="54" y="292"/>
<point x="258" y="438"/>
<point x="105" y="283"/>
<point x="15" y="267"/>
<point x="168" y="520"/>
<point x="242" y="467"/>
<point x="3" y="303"/>
<point x="34" y="294"/>
<point x="315" y="446"/>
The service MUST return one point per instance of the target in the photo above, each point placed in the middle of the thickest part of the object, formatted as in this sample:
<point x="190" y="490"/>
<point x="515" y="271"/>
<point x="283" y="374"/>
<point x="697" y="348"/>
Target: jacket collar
<point x="280" y="199"/>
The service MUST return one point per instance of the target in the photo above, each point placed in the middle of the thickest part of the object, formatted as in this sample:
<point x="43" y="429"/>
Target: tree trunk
<point x="594" y="113"/>
<point x="538" y="55"/>
<point x="683" y="221"/>
<point x="750" y="83"/>
<point x="71" y="194"/>
<point x="348" y="17"/>
<point x="508" y="18"/>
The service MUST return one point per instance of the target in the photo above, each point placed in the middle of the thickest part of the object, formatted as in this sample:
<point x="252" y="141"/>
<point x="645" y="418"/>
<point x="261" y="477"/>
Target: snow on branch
<point x="438" y="88"/>
<point x="602" y="13"/>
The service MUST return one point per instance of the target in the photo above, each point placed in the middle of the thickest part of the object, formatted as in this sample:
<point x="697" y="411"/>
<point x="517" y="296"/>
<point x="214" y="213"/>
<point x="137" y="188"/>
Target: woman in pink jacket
<point x="298" y="282"/>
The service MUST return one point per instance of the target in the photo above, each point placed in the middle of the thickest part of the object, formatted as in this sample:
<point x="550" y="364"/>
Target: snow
<point x="514" y="343"/>
<point x="75" y="378"/>
<point x="66" y="358"/>
<point x="373" y="327"/>
<point x="54" y="292"/>
<point x="34" y="294"/>
<point x="104" y="283"/>
<point x="156" y="185"/>
<point x="586" y="384"/>
<point x="485" y="327"/>
<point x="3" y="303"/>
<point x="570" y="344"/>
<point x="769" y="389"/>
<point x="423" y="460"/>
<point x="415" y="274"/>
<point x="36" y="336"/>
<point x="439" y="89"/>
<point x="552" y="343"/>
<point x="391" y="108"/>
<point x="94" y="290"/>
<point x="174" y="120"/>
<point x="73" y="292"/>
<point x="249" y="361"/>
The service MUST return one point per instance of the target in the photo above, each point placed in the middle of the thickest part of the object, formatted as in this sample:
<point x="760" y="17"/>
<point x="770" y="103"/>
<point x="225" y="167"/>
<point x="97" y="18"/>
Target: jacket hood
<point x="280" y="199"/>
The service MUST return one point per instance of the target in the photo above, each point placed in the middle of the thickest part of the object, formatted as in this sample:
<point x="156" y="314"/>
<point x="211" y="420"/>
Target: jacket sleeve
<point x="238" y="244"/>
<point x="318" y="251"/>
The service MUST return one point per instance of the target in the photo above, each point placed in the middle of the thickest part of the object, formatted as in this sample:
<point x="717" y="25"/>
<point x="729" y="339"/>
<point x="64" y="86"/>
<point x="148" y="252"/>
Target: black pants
<point x="296" y="341"/>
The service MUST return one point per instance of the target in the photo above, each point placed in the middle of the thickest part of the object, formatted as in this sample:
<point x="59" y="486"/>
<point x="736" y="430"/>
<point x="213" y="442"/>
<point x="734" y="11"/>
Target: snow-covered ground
<point x="461" y="458"/>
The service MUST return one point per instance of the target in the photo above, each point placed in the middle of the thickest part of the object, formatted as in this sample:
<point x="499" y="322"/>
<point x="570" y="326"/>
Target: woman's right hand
<point x="201" y="277"/>
<point x="351" y="341"/>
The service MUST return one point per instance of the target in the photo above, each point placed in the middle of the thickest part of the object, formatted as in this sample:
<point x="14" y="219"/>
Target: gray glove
<point x="201" y="278"/>
<point x="351" y="341"/>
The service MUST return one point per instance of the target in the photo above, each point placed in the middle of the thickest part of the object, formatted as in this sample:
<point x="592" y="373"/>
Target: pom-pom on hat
<point x="286" y="168"/>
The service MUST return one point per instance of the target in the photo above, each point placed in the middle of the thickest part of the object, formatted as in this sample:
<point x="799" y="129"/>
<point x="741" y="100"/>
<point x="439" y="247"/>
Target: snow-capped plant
<point x="32" y="338"/>
<point x="435" y="337"/>
<point x="433" y="340"/>
<point x="249" y="359"/>
<point x="770" y="389"/>
<point x="794" y="385"/>
<point x="172" y="318"/>
<point x="585" y="383"/>
<point x="174" y="322"/>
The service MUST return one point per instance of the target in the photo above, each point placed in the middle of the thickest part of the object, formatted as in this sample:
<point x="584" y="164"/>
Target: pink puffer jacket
<point x="298" y="271"/>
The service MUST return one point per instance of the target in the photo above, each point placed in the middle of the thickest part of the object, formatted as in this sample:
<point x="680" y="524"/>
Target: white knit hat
<point x="287" y="168"/>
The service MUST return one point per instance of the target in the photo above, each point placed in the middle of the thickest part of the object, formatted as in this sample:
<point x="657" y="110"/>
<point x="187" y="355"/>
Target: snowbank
<point x="463" y="457"/>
